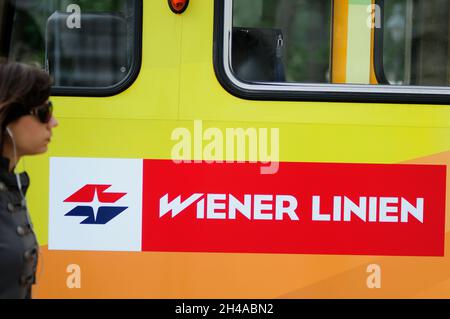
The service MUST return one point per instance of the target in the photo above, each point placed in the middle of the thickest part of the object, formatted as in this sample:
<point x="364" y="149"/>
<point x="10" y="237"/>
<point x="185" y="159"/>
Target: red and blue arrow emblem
<point x="97" y="213"/>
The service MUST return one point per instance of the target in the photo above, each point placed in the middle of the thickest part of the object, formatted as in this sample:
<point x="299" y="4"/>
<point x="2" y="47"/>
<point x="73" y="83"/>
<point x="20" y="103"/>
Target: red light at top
<point x="178" y="6"/>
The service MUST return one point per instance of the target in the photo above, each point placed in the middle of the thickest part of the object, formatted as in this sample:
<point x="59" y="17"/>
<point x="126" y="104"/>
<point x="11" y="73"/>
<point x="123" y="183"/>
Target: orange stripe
<point x="340" y="35"/>
<point x="218" y="275"/>
<point x="373" y="78"/>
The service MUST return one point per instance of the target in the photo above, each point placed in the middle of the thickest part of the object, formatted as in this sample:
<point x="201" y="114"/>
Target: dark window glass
<point x="90" y="44"/>
<point x="416" y="42"/>
<point x="282" y="40"/>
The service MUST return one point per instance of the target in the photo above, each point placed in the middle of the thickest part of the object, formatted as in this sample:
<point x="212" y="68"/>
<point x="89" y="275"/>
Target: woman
<point x="26" y="124"/>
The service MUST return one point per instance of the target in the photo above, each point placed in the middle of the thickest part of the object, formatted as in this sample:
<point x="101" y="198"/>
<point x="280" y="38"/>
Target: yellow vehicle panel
<point x="177" y="84"/>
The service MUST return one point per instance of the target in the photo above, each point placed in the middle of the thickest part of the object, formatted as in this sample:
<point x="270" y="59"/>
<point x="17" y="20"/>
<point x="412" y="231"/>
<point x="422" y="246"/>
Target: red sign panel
<point x="305" y="208"/>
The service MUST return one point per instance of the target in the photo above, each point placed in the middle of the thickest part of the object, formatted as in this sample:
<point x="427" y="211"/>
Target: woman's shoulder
<point x="10" y="181"/>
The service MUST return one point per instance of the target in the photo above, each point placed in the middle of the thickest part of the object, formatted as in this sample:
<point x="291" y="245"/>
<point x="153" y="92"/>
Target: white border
<point x="305" y="87"/>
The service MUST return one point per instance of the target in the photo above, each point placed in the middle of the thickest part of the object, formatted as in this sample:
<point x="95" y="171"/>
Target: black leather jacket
<point x="18" y="245"/>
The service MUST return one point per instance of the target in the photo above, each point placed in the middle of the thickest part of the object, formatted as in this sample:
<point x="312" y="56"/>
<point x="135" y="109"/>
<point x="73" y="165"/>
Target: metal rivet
<point x="20" y="231"/>
<point x="26" y="280"/>
<point x="29" y="254"/>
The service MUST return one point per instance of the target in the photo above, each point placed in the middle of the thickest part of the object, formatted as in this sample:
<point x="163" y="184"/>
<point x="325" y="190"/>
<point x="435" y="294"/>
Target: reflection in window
<point x="416" y="42"/>
<point x="282" y="40"/>
<point x="98" y="54"/>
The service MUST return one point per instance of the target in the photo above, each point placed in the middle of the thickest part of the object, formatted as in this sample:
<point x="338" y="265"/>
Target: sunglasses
<point x="43" y="112"/>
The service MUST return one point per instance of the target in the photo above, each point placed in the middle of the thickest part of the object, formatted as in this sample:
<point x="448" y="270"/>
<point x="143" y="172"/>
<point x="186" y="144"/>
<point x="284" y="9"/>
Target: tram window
<point x="281" y="41"/>
<point x="333" y="50"/>
<point x="416" y="47"/>
<point x="82" y="43"/>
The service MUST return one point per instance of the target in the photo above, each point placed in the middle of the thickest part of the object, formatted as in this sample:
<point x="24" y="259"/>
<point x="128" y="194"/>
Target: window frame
<point x="124" y="83"/>
<point x="380" y="74"/>
<point x="382" y="93"/>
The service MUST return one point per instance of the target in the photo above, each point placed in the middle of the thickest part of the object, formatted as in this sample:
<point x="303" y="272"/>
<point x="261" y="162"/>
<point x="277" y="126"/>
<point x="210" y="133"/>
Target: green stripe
<point x="358" y="45"/>
<point x="360" y="2"/>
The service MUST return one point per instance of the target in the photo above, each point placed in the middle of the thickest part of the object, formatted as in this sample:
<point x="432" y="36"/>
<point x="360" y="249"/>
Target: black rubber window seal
<point x="322" y="96"/>
<point x="132" y="75"/>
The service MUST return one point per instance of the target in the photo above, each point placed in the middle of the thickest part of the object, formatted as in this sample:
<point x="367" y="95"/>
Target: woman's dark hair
<point x="22" y="87"/>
